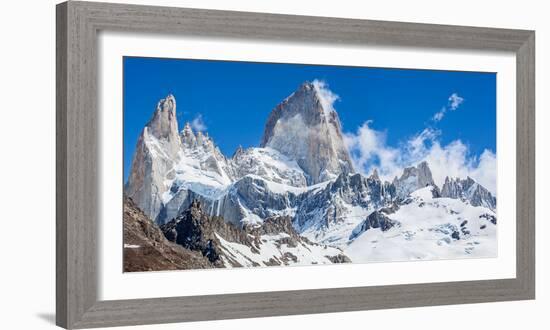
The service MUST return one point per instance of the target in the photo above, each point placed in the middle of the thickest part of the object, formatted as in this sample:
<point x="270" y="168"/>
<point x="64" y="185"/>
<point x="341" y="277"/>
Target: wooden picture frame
<point x="78" y="24"/>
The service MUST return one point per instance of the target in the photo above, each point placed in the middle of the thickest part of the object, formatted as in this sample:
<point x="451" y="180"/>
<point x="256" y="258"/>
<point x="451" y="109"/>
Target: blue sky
<point x="234" y="99"/>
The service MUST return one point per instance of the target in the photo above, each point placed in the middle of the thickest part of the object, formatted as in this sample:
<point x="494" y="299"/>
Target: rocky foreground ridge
<point x="195" y="240"/>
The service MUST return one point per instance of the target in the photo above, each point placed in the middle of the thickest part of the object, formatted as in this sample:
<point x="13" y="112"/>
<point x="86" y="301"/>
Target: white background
<point x="27" y="166"/>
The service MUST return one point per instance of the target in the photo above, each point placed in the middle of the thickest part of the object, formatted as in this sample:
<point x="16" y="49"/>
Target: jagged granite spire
<point x="306" y="128"/>
<point x="164" y="124"/>
<point x="187" y="136"/>
<point x="413" y="178"/>
<point x="156" y="152"/>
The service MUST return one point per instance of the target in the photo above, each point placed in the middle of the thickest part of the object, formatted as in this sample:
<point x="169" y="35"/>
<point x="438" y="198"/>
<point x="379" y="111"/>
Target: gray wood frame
<point x="77" y="150"/>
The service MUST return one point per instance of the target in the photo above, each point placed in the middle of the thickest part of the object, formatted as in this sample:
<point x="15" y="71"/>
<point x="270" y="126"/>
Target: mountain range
<point x="294" y="199"/>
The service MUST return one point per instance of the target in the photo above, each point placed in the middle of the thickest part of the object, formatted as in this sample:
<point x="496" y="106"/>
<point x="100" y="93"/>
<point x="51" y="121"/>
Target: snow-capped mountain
<point x="157" y="152"/>
<point x="306" y="128"/>
<point x="469" y="191"/>
<point x="301" y="177"/>
<point x="413" y="178"/>
<point x="254" y="184"/>
<point x="328" y="215"/>
<point x="425" y="227"/>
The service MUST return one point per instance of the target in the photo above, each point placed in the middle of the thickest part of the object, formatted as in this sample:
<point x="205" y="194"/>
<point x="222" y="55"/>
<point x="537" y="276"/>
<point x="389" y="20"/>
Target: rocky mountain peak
<point x="307" y="102"/>
<point x="156" y="152"/>
<point x="470" y="181"/>
<point x="413" y="178"/>
<point x="374" y="175"/>
<point x="306" y="128"/>
<point x="424" y="174"/>
<point x="187" y="136"/>
<point x="306" y="86"/>
<point x="468" y="190"/>
<point x="238" y="153"/>
<point x="421" y="172"/>
<point x="164" y="124"/>
<point x="192" y="140"/>
<point x="202" y="138"/>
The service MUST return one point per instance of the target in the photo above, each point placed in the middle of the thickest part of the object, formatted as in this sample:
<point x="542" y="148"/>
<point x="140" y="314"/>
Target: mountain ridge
<point x="319" y="194"/>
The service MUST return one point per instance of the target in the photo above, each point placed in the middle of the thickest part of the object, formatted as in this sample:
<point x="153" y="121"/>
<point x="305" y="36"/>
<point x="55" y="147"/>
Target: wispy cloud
<point x="453" y="103"/>
<point x="369" y="150"/>
<point x="439" y="115"/>
<point x="326" y="96"/>
<point x="198" y="123"/>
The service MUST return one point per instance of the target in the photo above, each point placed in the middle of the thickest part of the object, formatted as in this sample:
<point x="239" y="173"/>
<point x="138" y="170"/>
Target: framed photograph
<point x="217" y="165"/>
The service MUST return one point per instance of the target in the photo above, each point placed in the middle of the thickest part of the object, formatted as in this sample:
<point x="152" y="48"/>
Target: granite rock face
<point x="413" y="178"/>
<point x="164" y="125"/>
<point x="468" y="190"/>
<point x="306" y="128"/>
<point x="156" y="153"/>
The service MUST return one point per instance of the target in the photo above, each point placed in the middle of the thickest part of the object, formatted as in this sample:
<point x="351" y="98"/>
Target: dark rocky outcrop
<point x="489" y="217"/>
<point x="339" y="259"/>
<point x="375" y="220"/>
<point x="195" y="230"/>
<point x="146" y="248"/>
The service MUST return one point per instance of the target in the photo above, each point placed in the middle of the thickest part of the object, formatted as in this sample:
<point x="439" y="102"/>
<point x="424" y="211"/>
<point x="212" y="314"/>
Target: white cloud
<point x="439" y="115"/>
<point x="369" y="150"/>
<point x="416" y="145"/>
<point x="454" y="160"/>
<point x="485" y="172"/>
<point x="455" y="101"/>
<point x="198" y="123"/>
<point x="326" y="96"/>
